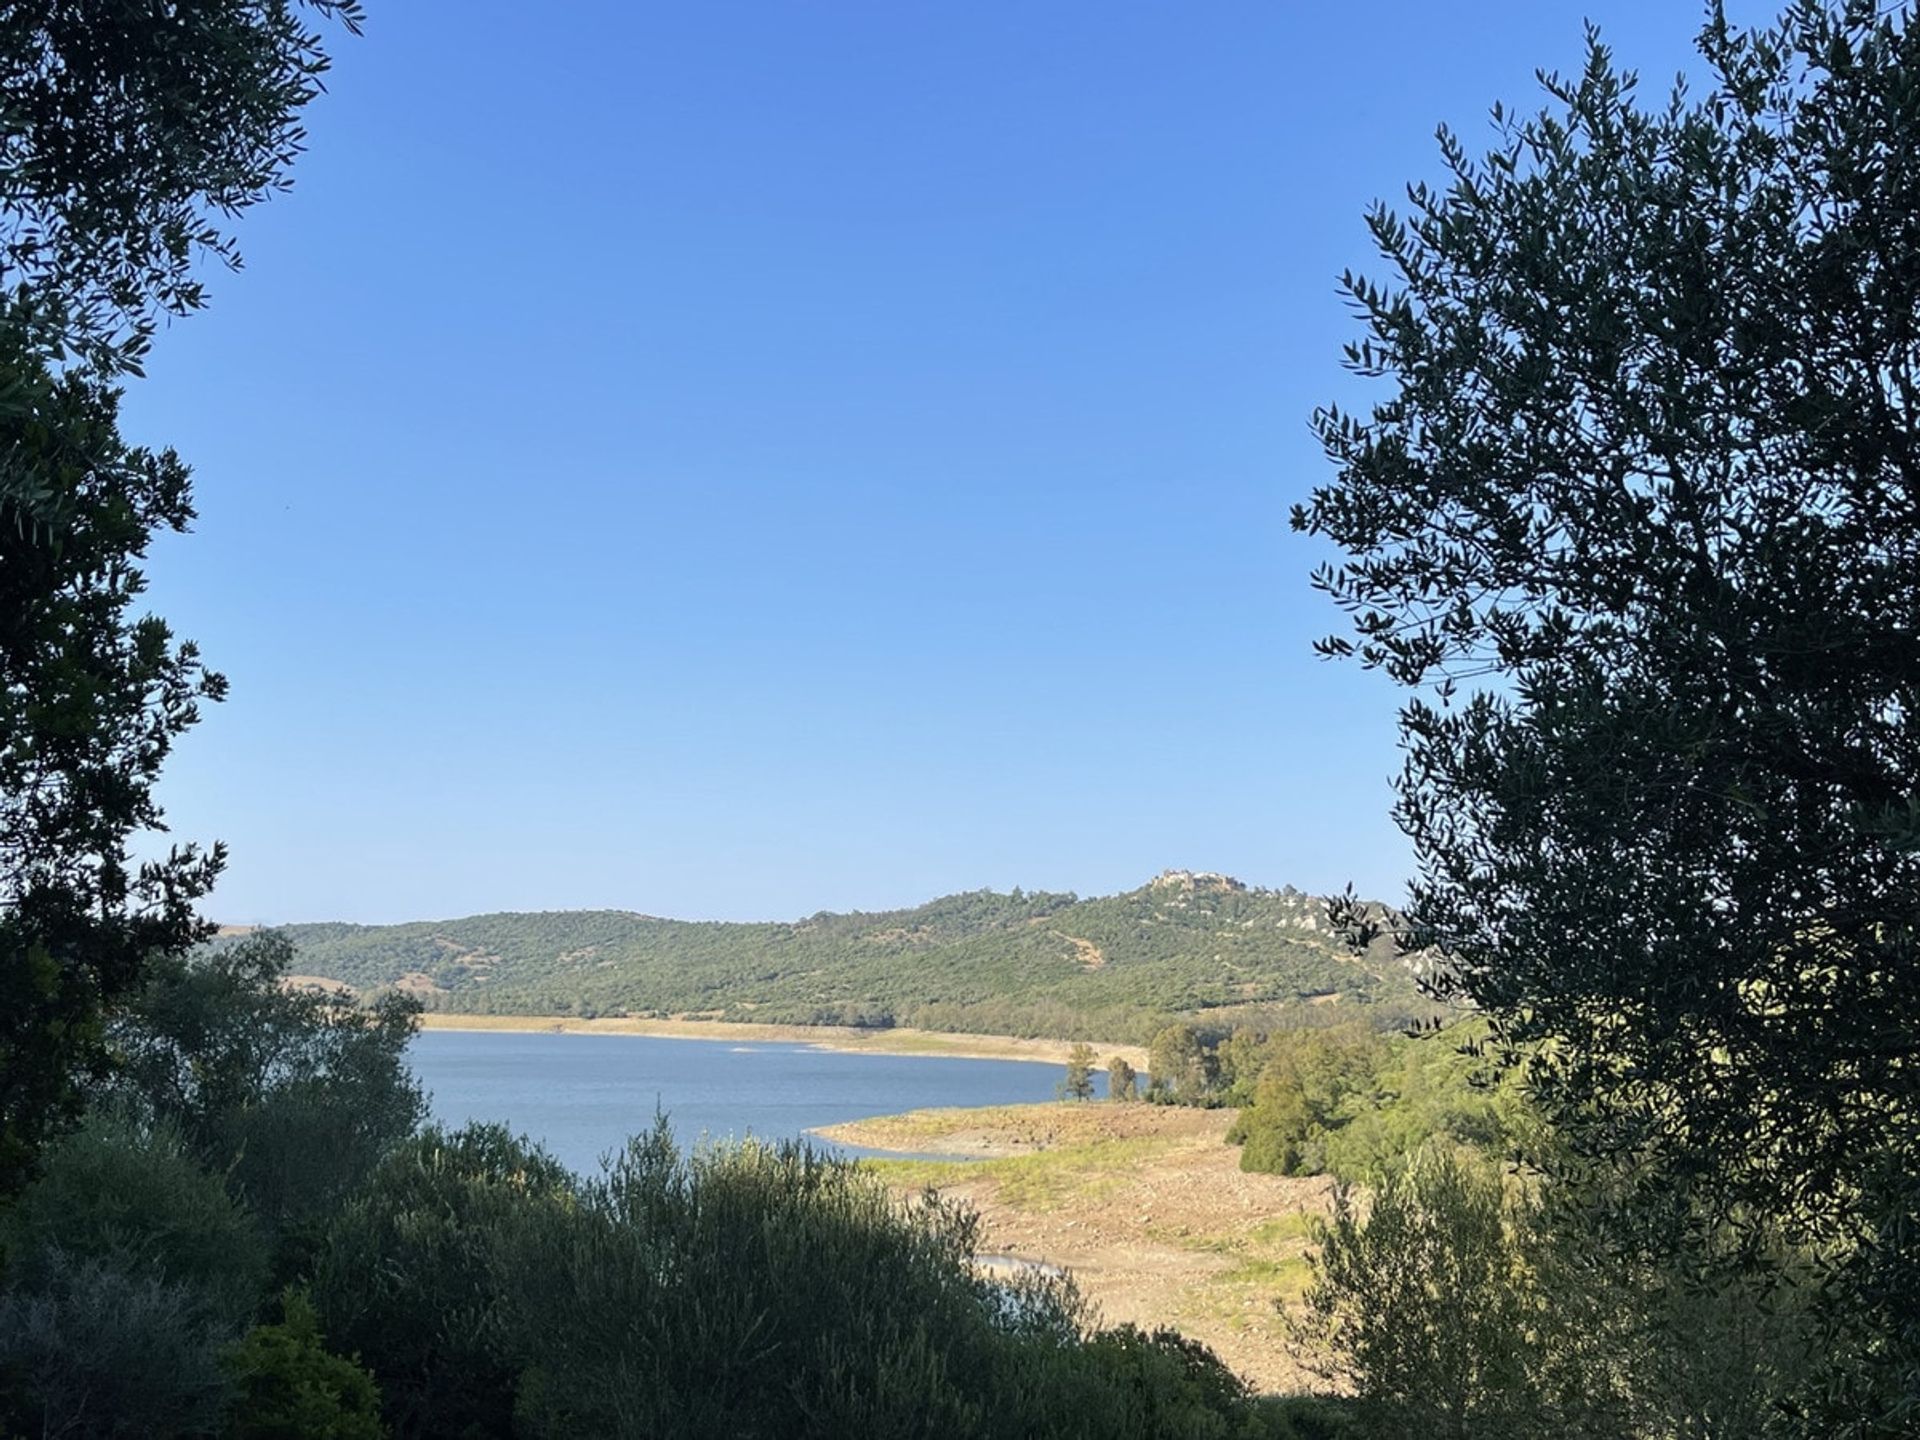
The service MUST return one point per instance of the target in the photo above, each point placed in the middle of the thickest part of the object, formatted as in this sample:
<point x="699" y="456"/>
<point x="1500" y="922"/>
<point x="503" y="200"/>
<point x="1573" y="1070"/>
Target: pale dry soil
<point x="1145" y="1204"/>
<point x="897" y="1041"/>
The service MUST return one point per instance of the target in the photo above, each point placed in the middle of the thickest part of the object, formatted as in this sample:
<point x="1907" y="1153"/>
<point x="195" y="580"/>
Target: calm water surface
<point x="582" y="1095"/>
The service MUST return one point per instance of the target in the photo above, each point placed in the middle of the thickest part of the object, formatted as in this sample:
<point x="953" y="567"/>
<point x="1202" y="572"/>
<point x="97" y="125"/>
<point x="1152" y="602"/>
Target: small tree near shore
<point x="1122" y="1083"/>
<point x="1079" y="1082"/>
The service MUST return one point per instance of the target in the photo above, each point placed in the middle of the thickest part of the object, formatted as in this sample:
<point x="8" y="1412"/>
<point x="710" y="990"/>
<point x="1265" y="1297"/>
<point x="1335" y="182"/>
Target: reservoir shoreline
<point x="895" y="1041"/>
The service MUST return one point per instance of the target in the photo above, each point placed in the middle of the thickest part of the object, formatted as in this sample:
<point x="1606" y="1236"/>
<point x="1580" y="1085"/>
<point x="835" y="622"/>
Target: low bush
<point x="286" y="1384"/>
<point x="741" y="1291"/>
<point x="1426" y="1300"/>
<point x="409" y="1276"/>
<point x="1308" y="1417"/>
<point x="92" y="1349"/>
<point x="1453" y="1302"/>
<point x="130" y="1194"/>
<point x="735" y="1290"/>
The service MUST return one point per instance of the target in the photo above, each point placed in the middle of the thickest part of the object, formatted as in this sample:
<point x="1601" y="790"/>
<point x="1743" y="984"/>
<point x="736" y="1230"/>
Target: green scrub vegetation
<point x="1112" y="968"/>
<point x="462" y="1284"/>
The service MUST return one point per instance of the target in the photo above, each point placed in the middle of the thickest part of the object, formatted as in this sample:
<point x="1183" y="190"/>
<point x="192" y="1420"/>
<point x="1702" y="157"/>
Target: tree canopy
<point x="1637" y="523"/>
<point x="124" y="132"/>
<point x="131" y="134"/>
<point x="92" y="697"/>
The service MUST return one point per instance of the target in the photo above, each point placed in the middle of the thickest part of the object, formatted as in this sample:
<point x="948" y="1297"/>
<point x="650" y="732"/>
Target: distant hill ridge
<point x="1187" y="943"/>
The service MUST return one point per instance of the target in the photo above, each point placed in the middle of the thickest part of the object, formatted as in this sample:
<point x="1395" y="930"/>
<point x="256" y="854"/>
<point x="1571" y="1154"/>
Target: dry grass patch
<point x="1146" y="1204"/>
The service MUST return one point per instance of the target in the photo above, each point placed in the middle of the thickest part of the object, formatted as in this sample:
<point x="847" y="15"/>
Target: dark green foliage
<point x="1079" y="1082"/>
<point x="1635" y="524"/>
<point x="1122" y="1082"/>
<point x="737" y="1292"/>
<point x="1242" y="1057"/>
<point x="1428" y="1304"/>
<point x="294" y="1094"/>
<point x="123" y="129"/>
<point x="128" y="131"/>
<point x="767" y="1291"/>
<point x="92" y="1350"/>
<point x="137" y="1200"/>
<point x="761" y="1291"/>
<point x="1177" y="1386"/>
<point x="409" y="1277"/>
<point x="1308" y="1417"/>
<point x="91" y="700"/>
<point x="144" y="1205"/>
<point x="288" y="1386"/>
<point x="1181" y="1066"/>
<point x="1000" y="964"/>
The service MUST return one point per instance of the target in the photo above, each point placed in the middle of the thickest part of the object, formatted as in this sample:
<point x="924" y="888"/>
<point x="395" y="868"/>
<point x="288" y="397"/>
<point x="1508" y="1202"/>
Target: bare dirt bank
<point x="1145" y="1204"/>
<point x="899" y="1041"/>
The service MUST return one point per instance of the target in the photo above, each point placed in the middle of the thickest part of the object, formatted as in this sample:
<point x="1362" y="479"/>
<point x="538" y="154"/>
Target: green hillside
<point x="1110" y="968"/>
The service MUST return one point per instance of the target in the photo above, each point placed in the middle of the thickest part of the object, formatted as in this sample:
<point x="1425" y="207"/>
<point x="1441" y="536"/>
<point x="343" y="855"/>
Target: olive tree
<point x="128" y="135"/>
<point x="131" y="134"/>
<point x="1636" y="523"/>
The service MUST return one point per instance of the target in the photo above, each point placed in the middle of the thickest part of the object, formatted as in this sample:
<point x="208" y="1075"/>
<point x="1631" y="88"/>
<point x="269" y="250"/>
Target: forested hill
<point x="1111" y="968"/>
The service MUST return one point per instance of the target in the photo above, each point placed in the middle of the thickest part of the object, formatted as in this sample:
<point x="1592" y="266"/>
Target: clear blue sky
<point x="734" y="460"/>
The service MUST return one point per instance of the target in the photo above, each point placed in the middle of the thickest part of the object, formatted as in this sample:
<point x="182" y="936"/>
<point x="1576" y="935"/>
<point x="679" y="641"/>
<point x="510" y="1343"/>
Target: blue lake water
<point x="583" y="1095"/>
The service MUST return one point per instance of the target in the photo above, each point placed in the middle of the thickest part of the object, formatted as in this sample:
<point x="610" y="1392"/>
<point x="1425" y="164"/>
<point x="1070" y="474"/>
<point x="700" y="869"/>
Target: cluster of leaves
<point x="292" y="1093"/>
<point x="92" y="697"/>
<point x="287" y="1383"/>
<point x="1455" y="1302"/>
<point x="1636" y="527"/>
<point x="1351" y="1102"/>
<point x="741" y="1291"/>
<point x="153" y="1237"/>
<point x="996" y="963"/>
<point x="128" y="135"/>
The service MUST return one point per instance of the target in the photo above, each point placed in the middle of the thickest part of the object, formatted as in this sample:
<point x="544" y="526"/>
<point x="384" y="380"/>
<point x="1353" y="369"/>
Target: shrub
<point x="294" y="1094"/>
<point x="1173" y="1386"/>
<point x="1306" y="1417"/>
<point x="288" y="1386"/>
<point x="740" y="1291"/>
<point x="1427" y="1302"/>
<point x="1462" y="1304"/>
<point x="789" y="1295"/>
<point x="408" y="1275"/>
<point x="115" y="1191"/>
<point x="98" y="1351"/>
<point x="749" y="1290"/>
